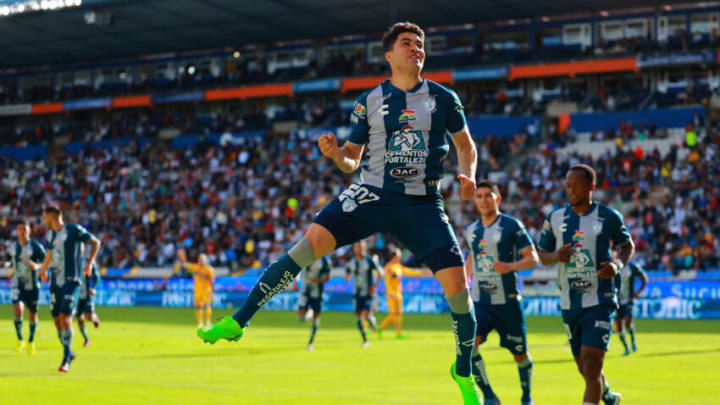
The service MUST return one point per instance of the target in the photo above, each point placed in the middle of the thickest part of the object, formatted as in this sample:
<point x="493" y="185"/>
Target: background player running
<point x="394" y="271"/>
<point x="499" y="246"/>
<point x="312" y="284"/>
<point x="404" y="123"/>
<point x="365" y="271"/>
<point x="86" y="300"/>
<point x="578" y="237"/>
<point x="64" y="244"/>
<point x="26" y="256"/>
<point x="624" y="319"/>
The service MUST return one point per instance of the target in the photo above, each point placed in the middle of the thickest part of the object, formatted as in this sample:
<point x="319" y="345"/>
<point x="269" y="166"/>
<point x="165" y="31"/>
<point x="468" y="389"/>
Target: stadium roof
<point x="142" y="27"/>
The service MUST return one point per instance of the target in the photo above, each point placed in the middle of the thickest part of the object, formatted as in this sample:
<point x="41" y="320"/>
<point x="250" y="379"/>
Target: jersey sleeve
<point x="95" y="276"/>
<point x="547" y="236"/>
<point x="326" y="266"/>
<point x="455" y="114"/>
<point x="82" y="234"/>
<point x="359" y="127"/>
<point x="521" y="237"/>
<point x="638" y="270"/>
<point x="193" y="267"/>
<point x="38" y="254"/>
<point x="618" y="231"/>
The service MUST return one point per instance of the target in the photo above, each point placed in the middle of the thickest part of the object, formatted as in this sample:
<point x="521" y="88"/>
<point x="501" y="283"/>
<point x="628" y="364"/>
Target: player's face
<point x="486" y="200"/>
<point x="359" y="248"/>
<point x="23" y="231"/>
<point x="408" y="52"/>
<point x="47" y="219"/>
<point x="577" y="187"/>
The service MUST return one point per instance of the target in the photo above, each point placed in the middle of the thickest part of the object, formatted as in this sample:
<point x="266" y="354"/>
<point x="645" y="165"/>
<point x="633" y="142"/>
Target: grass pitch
<point x="151" y="356"/>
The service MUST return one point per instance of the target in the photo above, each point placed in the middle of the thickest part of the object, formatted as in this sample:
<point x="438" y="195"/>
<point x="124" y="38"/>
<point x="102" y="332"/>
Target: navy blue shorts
<point x="29" y="297"/>
<point x="418" y="222"/>
<point x="64" y="300"/>
<point x="508" y="320"/>
<point x="589" y="327"/>
<point x="306" y="302"/>
<point x="362" y="302"/>
<point x="86" y="305"/>
<point x="625" y="310"/>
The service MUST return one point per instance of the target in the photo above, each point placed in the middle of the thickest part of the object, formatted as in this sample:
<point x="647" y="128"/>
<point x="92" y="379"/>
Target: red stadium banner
<point x="46" y="108"/>
<point x="573" y="68"/>
<point x="131" y="101"/>
<point x="361" y="83"/>
<point x="439" y="77"/>
<point x="284" y="89"/>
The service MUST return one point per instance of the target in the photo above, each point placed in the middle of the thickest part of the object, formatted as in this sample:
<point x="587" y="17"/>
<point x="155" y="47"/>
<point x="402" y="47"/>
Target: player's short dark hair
<point x="53" y="209"/>
<point x="488" y="184"/>
<point x="24" y="222"/>
<point x="391" y="35"/>
<point x="587" y="170"/>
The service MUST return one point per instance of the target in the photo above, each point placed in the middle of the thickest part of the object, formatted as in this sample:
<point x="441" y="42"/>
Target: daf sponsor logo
<point x="581" y="284"/>
<point x="404" y="172"/>
<point x="489" y="287"/>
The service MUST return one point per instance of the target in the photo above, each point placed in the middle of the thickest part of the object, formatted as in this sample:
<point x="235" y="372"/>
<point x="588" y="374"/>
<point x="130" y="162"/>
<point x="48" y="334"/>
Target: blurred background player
<point x="312" y="284"/>
<point x="578" y="238"/>
<point x="26" y="256"/>
<point x="86" y="301"/>
<point x="394" y="270"/>
<point x="203" y="277"/>
<point x="365" y="271"/>
<point x="499" y="246"/>
<point x="64" y="244"/>
<point x="624" y="319"/>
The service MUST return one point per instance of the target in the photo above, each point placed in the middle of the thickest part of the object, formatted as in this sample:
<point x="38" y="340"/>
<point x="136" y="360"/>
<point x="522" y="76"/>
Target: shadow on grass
<point x="678" y="353"/>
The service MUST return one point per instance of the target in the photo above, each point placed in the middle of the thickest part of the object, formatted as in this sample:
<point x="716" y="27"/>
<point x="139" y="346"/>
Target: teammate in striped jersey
<point x="579" y="238"/>
<point x="365" y="272"/>
<point x="624" y="321"/>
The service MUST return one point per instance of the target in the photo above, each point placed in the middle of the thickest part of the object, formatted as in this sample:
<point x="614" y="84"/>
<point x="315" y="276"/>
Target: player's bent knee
<point x="321" y="240"/>
<point x="460" y="303"/>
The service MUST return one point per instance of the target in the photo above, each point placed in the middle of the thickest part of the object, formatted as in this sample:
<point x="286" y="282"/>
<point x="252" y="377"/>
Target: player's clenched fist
<point x="328" y="145"/>
<point x="467" y="187"/>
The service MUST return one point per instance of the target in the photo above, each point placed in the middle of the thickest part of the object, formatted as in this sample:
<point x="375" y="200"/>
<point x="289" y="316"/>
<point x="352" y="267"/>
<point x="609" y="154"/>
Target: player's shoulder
<point x="472" y="226"/>
<point x="438" y="89"/>
<point x="607" y="212"/>
<point x="511" y="221"/>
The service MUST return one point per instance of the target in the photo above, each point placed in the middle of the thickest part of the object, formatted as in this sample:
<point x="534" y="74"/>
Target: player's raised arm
<point x="346" y="157"/>
<point x="467" y="162"/>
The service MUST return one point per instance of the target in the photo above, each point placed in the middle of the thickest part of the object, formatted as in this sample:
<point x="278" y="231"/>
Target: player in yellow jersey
<point x="203" y="276"/>
<point x="394" y="270"/>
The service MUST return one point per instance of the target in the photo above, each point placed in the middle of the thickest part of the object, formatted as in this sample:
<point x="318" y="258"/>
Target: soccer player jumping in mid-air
<point x="403" y="122"/>
<point x="579" y="238"/>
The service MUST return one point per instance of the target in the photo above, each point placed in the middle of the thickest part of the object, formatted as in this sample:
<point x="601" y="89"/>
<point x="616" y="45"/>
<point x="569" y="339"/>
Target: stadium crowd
<point x="243" y="203"/>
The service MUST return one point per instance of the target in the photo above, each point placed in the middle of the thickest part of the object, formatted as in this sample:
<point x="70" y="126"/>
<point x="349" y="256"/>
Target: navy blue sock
<point x="464" y="328"/>
<point x="276" y="278"/>
<point x="621" y="335"/>
<point x="18" y="328"/>
<point x="313" y="331"/>
<point x="481" y="378"/>
<point x="361" y="329"/>
<point x="66" y="338"/>
<point x="525" y="368"/>
<point x="33" y="326"/>
<point x="83" y="330"/>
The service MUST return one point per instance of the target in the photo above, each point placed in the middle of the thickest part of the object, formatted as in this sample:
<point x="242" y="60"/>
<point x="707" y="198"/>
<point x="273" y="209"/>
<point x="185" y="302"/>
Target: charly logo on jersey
<point x="407" y="115"/>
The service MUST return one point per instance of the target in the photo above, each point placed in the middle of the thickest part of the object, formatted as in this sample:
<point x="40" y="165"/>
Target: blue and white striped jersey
<point x="65" y="257"/>
<point x="319" y="269"/>
<point x="19" y="255"/>
<point x="500" y="241"/>
<point x="362" y="273"/>
<point x="406" y="135"/>
<point x="591" y="235"/>
<point x="629" y="275"/>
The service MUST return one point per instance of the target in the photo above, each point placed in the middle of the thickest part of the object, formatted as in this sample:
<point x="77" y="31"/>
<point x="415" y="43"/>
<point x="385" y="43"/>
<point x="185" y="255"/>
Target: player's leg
<point x="317" y="242"/>
<point x="390" y="318"/>
<point x="208" y="308"/>
<point x="68" y="306"/>
<point x="479" y="373"/>
<point x="372" y="321"/>
<point x="620" y="328"/>
<point x="81" y="308"/>
<point x="197" y="303"/>
<point x="399" y="317"/>
<point x="595" y="326"/>
<point x="591" y="361"/>
<point x="457" y="294"/>
<point x="33" y="321"/>
<point x="18" y="310"/>
<point x="629" y="325"/>
<point x="513" y="336"/>
<point x="361" y="312"/>
<point x="315" y="325"/>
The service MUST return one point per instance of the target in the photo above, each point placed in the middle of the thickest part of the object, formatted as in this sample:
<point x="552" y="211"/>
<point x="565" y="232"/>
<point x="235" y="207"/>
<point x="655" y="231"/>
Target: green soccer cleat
<point x="227" y="329"/>
<point x="19" y="346"/>
<point x="470" y="392"/>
